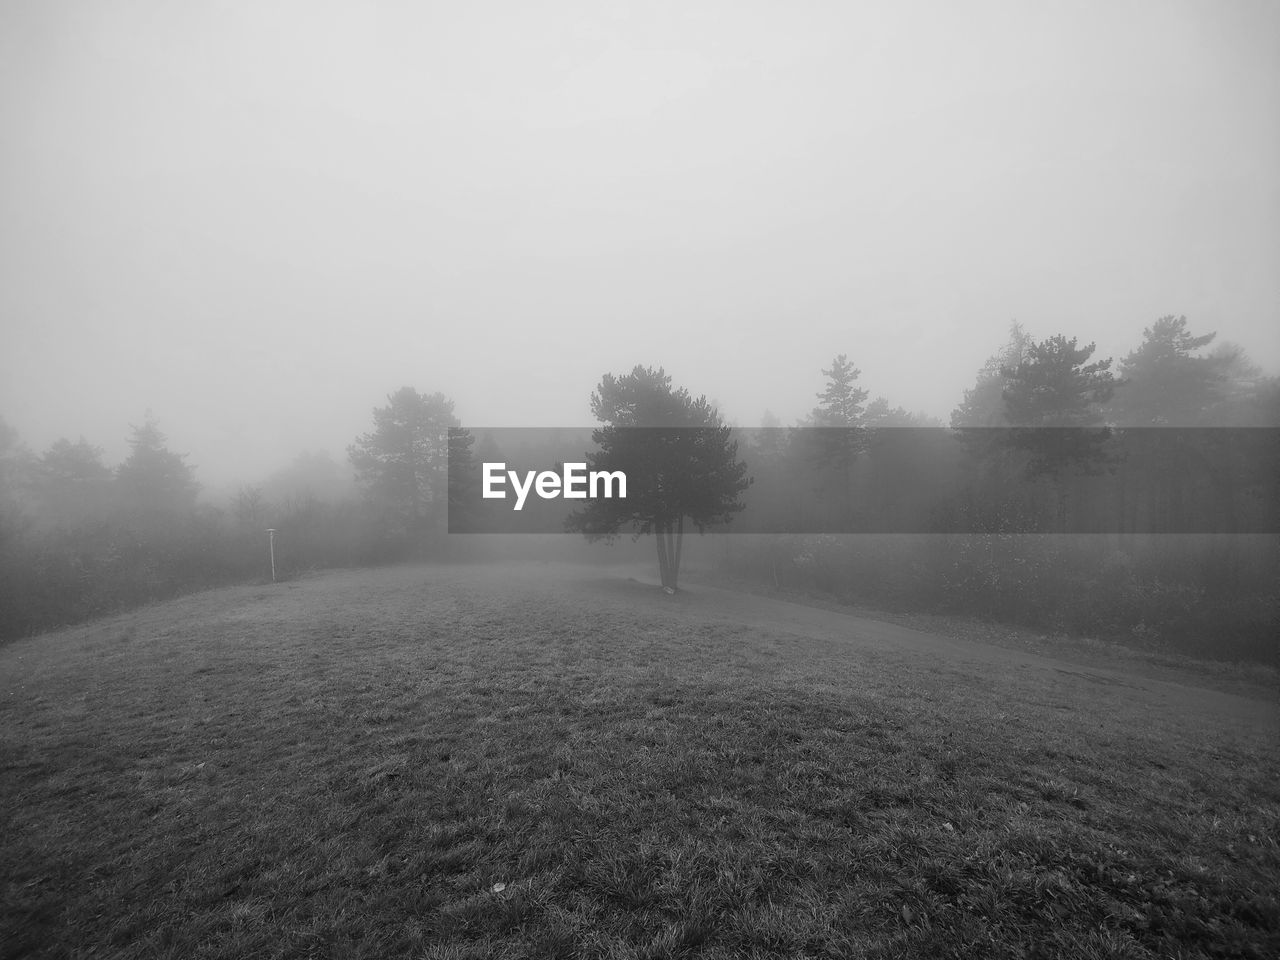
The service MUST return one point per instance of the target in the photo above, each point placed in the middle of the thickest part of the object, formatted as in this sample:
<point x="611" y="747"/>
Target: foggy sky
<point x="257" y="220"/>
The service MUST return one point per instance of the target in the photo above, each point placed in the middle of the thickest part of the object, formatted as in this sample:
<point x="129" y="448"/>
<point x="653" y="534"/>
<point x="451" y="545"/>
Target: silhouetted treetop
<point x="684" y="467"/>
<point x="1055" y="386"/>
<point x="403" y="462"/>
<point x="983" y="403"/>
<point x="153" y="479"/>
<point x="1165" y="382"/>
<point x="840" y="402"/>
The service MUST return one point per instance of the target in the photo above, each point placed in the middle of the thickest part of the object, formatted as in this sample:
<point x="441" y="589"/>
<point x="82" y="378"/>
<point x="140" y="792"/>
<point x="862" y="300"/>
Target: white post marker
<point x="271" y="539"/>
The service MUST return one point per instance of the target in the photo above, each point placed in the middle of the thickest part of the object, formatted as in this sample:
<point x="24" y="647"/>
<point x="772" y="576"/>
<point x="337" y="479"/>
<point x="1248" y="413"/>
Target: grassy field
<point x="547" y="762"/>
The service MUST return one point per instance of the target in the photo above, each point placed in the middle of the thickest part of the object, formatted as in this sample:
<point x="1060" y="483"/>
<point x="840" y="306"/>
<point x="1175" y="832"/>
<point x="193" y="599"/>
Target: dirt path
<point x="901" y="644"/>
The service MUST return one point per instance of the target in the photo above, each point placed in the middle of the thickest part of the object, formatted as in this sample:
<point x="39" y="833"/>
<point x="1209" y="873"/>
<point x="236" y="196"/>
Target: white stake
<point x="271" y="536"/>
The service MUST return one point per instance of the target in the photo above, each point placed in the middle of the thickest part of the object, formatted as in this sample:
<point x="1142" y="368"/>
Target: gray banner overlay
<point x="889" y="480"/>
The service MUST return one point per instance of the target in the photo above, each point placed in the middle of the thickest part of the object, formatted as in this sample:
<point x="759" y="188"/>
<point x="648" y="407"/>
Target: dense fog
<point x="243" y="251"/>
<point x="256" y="223"/>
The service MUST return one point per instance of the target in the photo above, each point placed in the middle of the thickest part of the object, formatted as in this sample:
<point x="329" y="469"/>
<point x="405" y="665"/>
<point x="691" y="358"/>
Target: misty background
<point x="280" y="266"/>
<point x="257" y="221"/>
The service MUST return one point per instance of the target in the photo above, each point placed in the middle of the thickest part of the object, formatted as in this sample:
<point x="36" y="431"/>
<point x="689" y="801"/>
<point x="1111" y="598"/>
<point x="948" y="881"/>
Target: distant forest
<point x="79" y="537"/>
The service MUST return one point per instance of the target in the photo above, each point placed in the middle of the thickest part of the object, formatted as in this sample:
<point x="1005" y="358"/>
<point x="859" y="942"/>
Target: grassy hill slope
<point x="537" y="761"/>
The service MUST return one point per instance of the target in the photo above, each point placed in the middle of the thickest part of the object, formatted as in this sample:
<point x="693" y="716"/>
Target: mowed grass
<point x="431" y="762"/>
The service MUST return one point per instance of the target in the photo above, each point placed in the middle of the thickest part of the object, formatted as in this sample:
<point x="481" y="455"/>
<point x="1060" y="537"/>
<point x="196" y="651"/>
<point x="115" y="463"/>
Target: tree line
<point x="78" y="538"/>
<point x="1015" y="469"/>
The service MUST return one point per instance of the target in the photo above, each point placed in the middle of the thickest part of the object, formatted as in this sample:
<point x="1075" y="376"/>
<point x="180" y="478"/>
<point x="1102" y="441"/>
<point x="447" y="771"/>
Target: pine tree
<point x="154" y="480"/>
<point x="74" y="483"/>
<point x="1055" y="386"/>
<point x="835" y="444"/>
<point x="403" y="463"/>
<point x="841" y="401"/>
<point x="1166" y="384"/>
<point x="983" y="404"/>
<point x="679" y="458"/>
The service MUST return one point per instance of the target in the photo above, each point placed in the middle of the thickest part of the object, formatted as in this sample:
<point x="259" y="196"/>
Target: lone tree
<point x="403" y="464"/>
<point x="679" y="459"/>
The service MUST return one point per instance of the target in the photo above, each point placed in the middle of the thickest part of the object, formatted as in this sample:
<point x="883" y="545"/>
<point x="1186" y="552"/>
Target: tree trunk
<point x="846" y="495"/>
<point x="675" y="566"/>
<point x="672" y="568"/>
<point x="664" y="572"/>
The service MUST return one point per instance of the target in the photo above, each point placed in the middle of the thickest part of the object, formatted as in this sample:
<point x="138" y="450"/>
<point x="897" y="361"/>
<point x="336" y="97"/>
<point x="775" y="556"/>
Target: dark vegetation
<point x="1211" y="597"/>
<point x="690" y="472"/>
<point x="1207" y="595"/>
<point x="79" y="538"/>
<point x="447" y="762"/>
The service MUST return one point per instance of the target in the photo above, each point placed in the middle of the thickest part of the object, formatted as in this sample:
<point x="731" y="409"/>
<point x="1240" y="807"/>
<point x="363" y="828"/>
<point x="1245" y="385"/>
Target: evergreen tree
<point x="461" y="468"/>
<point x="403" y="463"/>
<point x="74" y="483"/>
<point x="840" y="403"/>
<point x="981" y="409"/>
<point x="16" y="471"/>
<point x="1055" y="386"/>
<point x="153" y="480"/>
<point x="880" y="414"/>
<point x="679" y="459"/>
<point x="1246" y="397"/>
<point x="67" y="462"/>
<point x="835" y="444"/>
<point x="1166" y="384"/>
<point x="983" y="404"/>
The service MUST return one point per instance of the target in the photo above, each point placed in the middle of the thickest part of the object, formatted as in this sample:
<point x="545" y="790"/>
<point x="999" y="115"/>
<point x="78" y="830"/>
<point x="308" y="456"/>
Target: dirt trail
<point x="899" y="643"/>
